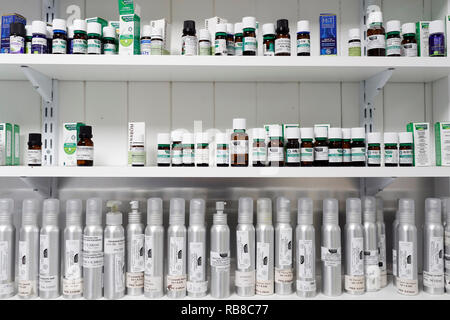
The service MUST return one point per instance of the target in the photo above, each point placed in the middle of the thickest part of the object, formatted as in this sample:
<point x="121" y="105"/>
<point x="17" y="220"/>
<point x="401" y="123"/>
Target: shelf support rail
<point x="46" y="187"/>
<point x="371" y="186"/>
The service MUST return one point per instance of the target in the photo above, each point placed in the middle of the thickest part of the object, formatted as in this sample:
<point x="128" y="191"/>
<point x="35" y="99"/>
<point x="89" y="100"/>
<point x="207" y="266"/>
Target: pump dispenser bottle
<point x="306" y="249"/>
<point x="93" y="250"/>
<point x="72" y="283"/>
<point x="433" y="248"/>
<point x="49" y="251"/>
<point x="220" y="254"/>
<point x="245" y="248"/>
<point x="331" y="249"/>
<point x="371" y="257"/>
<point x="135" y="251"/>
<point x="407" y="282"/>
<point x="154" y="250"/>
<point x="114" y="279"/>
<point x="28" y="259"/>
<point x="284" y="273"/>
<point x="264" y="248"/>
<point x="176" y="251"/>
<point x="7" y="249"/>
<point x="354" y="248"/>
<point x="196" y="261"/>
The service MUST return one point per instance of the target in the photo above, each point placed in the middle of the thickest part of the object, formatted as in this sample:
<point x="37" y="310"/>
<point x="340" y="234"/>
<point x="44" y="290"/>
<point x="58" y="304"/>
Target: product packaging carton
<point x="422" y="38"/>
<point x="328" y="34"/>
<point x="422" y="144"/>
<point x="210" y="25"/>
<point x="70" y="134"/>
<point x="7" y="19"/>
<point x="165" y="27"/>
<point x="6" y="148"/>
<point x="16" y="145"/>
<point x="130" y="28"/>
<point x="442" y="143"/>
<point x="136" y="144"/>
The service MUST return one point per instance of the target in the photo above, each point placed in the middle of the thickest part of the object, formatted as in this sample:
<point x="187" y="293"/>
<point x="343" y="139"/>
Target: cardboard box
<point x="136" y="144"/>
<point x="165" y="27"/>
<point x="422" y="38"/>
<point x="7" y="19"/>
<point x="16" y="145"/>
<point x="210" y="25"/>
<point x="70" y="134"/>
<point x="447" y="34"/>
<point x="6" y="148"/>
<point x="422" y="145"/>
<point x="442" y="143"/>
<point x="102" y="21"/>
<point x="130" y="28"/>
<point x="328" y="34"/>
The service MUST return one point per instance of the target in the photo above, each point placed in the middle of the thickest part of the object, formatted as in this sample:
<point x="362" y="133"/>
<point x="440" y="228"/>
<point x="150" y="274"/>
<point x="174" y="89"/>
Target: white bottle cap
<point x="29" y="30"/>
<point x="436" y="26"/>
<point x="321" y="132"/>
<point x="353" y="210"/>
<point x="94" y="28"/>
<point x="197" y="212"/>
<point x="50" y="212"/>
<point x="306" y="133"/>
<point x="268" y="28"/>
<point x="156" y="33"/>
<point x="163" y="138"/>
<point x="275" y="131"/>
<point x="146" y="31"/>
<point x="177" y="211"/>
<point x="221" y="138"/>
<point x="80" y="25"/>
<point x="230" y="28"/>
<point x="221" y="28"/>
<point x="393" y="26"/>
<point x="303" y="26"/>
<point x="155" y="212"/>
<point x="264" y="211"/>
<point x="245" y="211"/>
<point x="39" y="27"/>
<point x="292" y="133"/>
<point x="370" y="209"/>
<point x="204" y="35"/>
<point x="238" y="27"/>
<point x="109" y="32"/>
<point x="114" y="217"/>
<point x="283" y="210"/>
<point x="390" y="138"/>
<point x="358" y="133"/>
<point x="259" y="133"/>
<point x="239" y="124"/>
<point x="305" y="211"/>
<point x="188" y="138"/>
<point x="249" y="22"/>
<point x="330" y="212"/>
<point x="335" y="133"/>
<point x="201" y="137"/>
<point x="94" y="211"/>
<point x="59" y="24"/>
<point x="346" y="133"/>
<point x="405" y="137"/>
<point x="409" y="28"/>
<point x="373" y="137"/>
<point x="70" y="32"/>
<point x="354" y="34"/>
<point x="177" y="136"/>
<point x="74" y="208"/>
<point x="375" y="17"/>
<point x="30" y="212"/>
<point x="220" y="218"/>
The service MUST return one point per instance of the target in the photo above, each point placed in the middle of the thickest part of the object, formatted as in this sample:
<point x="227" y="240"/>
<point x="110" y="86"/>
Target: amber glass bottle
<point x="292" y="147"/>
<point x="346" y="147"/>
<point x="406" y="149"/>
<point x="283" y="39"/>
<point x="275" y="149"/>
<point x="259" y="148"/>
<point x="335" y="147"/>
<point x="376" y="41"/>
<point x="374" y="149"/>
<point x="390" y="149"/>
<point x="177" y="149"/>
<point x="307" y="147"/>
<point x="239" y="144"/>
<point x="34" y="153"/>
<point x="358" y="147"/>
<point x="85" y="147"/>
<point x="321" y="147"/>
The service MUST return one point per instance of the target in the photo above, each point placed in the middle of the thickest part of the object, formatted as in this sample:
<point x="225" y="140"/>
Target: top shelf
<point x="227" y="69"/>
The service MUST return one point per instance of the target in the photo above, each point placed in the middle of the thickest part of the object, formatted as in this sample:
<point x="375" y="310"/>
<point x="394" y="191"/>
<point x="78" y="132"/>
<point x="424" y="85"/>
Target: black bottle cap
<point x="35" y="139"/>
<point x="18" y="29"/>
<point x="282" y="26"/>
<point x="85" y="132"/>
<point x="189" y="27"/>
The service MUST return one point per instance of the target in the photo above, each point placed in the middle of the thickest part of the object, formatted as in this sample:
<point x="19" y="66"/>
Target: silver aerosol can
<point x="447" y="246"/>
<point x="7" y="249"/>
<point x="284" y="273"/>
<point x="371" y="259"/>
<point x="114" y="280"/>
<point x="264" y="248"/>
<point x="433" y="248"/>
<point x="381" y="239"/>
<point x="445" y="210"/>
<point x="196" y="261"/>
<point x="28" y="258"/>
<point x="72" y="283"/>
<point x="395" y="249"/>
<point x="306" y="249"/>
<point x="49" y="241"/>
<point x="407" y="281"/>
<point x="220" y="254"/>
<point x="354" y="248"/>
<point x="331" y="249"/>
<point x="93" y="250"/>
<point x="135" y="251"/>
<point x="154" y="250"/>
<point x="176" y="250"/>
<point x="245" y="249"/>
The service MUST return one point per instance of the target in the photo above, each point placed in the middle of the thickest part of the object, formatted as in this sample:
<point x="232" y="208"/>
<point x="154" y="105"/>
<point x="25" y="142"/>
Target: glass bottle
<point x="409" y="43"/>
<point x="238" y="39"/>
<point x="249" y="43"/>
<point x="335" y="147"/>
<point x="59" y="42"/>
<point x="204" y="43"/>
<point x="354" y="42"/>
<point x="109" y="41"/>
<point x="283" y="38"/>
<point x="303" y="38"/>
<point x="220" y="44"/>
<point x="437" y="39"/>
<point x="79" y="42"/>
<point x="376" y="42"/>
<point x="406" y="149"/>
<point x="188" y="150"/>
<point x="230" y="39"/>
<point x="189" y="39"/>
<point x="222" y="150"/>
<point x="156" y="46"/>
<point x="146" y="40"/>
<point x="94" y="43"/>
<point x="307" y="147"/>
<point x="268" y="39"/>
<point x="393" y="39"/>
<point x="259" y="148"/>
<point x="275" y="148"/>
<point x="346" y="147"/>
<point x="163" y="157"/>
<point x="39" y="40"/>
<point x="239" y="144"/>
<point x="390" y="149"/>
<point x="292" y="147"/>
<point x="358" y="147"/>
<point x="202" y="149"/>
<point x="85" y="147"/>
<point x="17" y="34"/>
<point x="70" y="34"/>
<point x="321" y="147"/>
<point x="374" y="149"/>
<point x="177" y="149"/>
<point x="34" y="153"/>
<point x="28" y="39"/>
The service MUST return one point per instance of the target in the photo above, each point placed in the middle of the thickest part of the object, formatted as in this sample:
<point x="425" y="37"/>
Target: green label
<point x="126" y="40"/>
<point x="70" y="148"/>
<point x="446" y="126"/>
<point x="354" y="52"/>
<point x="421" y="127"/>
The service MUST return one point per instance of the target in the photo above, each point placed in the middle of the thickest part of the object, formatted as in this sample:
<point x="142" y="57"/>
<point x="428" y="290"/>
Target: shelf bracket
<point x="371" y="186"/>
<point x="46" y="187"/>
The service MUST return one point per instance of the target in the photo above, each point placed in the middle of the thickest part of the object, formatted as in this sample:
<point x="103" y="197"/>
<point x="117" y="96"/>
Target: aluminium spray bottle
<point x="447" y="245"/>
<point x="264" y="248"/>
<point x="395" y="249"/>
<point x="72" y="283"/>
<point x="331" y="249"/>
<point x="114" y="235"/>
<point x="306" y="249"/>
<point x="7" y="249"/>
<point x="49" y="256"/>
<point x="371" y="258"/>
<point x="154" y="250"/>
<point x="381" y="239"/>
<point x="196" y="284"/>
<point x="176" y="250"/>
<point x="407" y="281"/>
<point x="93" y="259"/>
<point x="354" y="248"/>
<point x="284" y="274"/>
<point x="245" y="248"/>
<point x="135" y="251"/>
<point x="220" y="254"/>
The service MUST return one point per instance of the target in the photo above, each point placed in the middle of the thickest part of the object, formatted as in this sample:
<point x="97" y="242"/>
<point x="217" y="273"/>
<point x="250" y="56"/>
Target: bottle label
<point x="59" y="46"/>
<point x="321" y="153"/>
<point x="307" y="154"/>
<point x="72" y="287"/>
<point x="372" y="270"/>
<point x="238" y="49"/>
<point x="163" y="156"/>
<point x="390" y="156"/>
<point x="220" y="260"/>
<point x="407" y="287"/>
<point x="346" y="155"/>
<point x="293" y="155"/>
<point x="16" y="45"/>
<point x="306" y="285"/>
<point x="109" y="49"/>
<point x="137" y="156"/>
<point x="382" y="249"/>
<point x="245" y="279"/>
<point x="73" y="260"/>
<point x="135" y="280"/>
<point x="409" y="50"/>
<point x="262" y="261"/>
<point x="435" y="255"/>
<point x="146" y="47"/>
<point x="335" y="155"/>
<point x="156" y="47"/>
<point x="189" y="46"/>
<point x="92" y="251"/>
<point x="269" y="49"/>
<point x="176" y="283"/>
<point x="196" y="261"/>
<point x="275" y="153"/>
<point x="243" y="250"/>
<point x="188" y="156"/>
<point x="331" y="256"/>
<point x="114" y="245"/>
<point x="358" y="154"/>
<point x="4" y="260"/>
<point x="239" y="147"/>
<point x="119" y="274"/>
<point x="24" y="259"/>
<point x="85" y="153"/>
<point x="357" y="257"/>
<point x="220" y="47"/>
<point x="285" y="247"/>
<point x="437" y="45"/>
<point x="27" y="288"/>
<point x="354" y="49"/>
<point x="354" y="284"/>
<point x="306" y="259"/>
<point x="447" y="260"/>
<point x="177" y="157"/>
<point x="393" y="46"/>
<point x="405" y="260"/>
<point x="394" y="263"/>
<point x="283" y="45"/>
<point x="44" y="256"/>
<point x="230" y="48"/>
<point x="39" y="45"/>
<point x="284" y="276"/>
<point x="204" y="48"/>
<point x="34" y="157"/>
<point x="249" y="44"/>
<point x="406" y="157"/>
<point x="259" y="154"/>
<point x="303" y="46"/>
<point x="373" y="156"/>
<point x="153" y="284"/>
<point x="79" y="46"/>
<point x="176" y="254"/>
<point x="94" y="46"/>
<point x="137" y="253"/>
<point x="197" y="287"/>
<point x="376" y="41"/>
<point x="431" y="280"/>
<point x="149" y="253"/>
<point x="28" y="47"/>
<point x="202" y="156"/>
<point x="264" y="287"/>
<point x="222" y="156"/>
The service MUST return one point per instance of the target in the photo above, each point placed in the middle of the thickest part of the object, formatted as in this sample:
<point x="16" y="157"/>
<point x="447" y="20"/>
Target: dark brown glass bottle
<point x="346" y="147"/>
<point x="321" y="152"/>
<point x="358" y="148"/>
<point x="85" y="147"/>
<point x="222" y="150"/>
<point x="282" y="38"/>
<point x="177" y="150"/>
<point x="259" y="148"/>
<point x="34" y="150"/>
<point x="306" y="147"/>
<point x="239" y="144"/>
<point x="376" y="39"/>
<point x="335" y="153"/>
<point x="293" y="152"/>
<point x="275" y="149"/>
<point x="249" y="42"/>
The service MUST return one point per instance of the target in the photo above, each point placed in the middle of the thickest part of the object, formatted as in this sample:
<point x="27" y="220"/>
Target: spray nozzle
<point x="245" y="211"/>
<point x="264" y="210"/>
<point x="283" y="210"/>
<point x="134" y="205"/>
<point x="220" y="206"/>
<point x="6" y="209"/>
<point x="197" y="212"/>
<point x="305" y="211"/>
<point x="220" y="217"/>
<point x="177" y="211"/>
<point x="94" y="211"/>
<point x="114" y="205"/>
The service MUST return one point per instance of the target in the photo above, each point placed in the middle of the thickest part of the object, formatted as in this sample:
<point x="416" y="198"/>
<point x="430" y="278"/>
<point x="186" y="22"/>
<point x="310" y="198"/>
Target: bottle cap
<point x="353" y="210"/>
<point x="393" y="26"/>
<point x="409" y="28"/>
<point x="221" y="28"/>
<point x="221" y="138"/>
<point x="177" y="136"/>
<point x="220" y="217"/>
<point x="134" y="216"/>
<point x="74" y="208"/>
<point x="188" y="138"/>
<point x="197" y="212"/>
<point x="34" y="139"/>
<point x="238" y="27"/>
<point x="114" y="217"/>
<point x="70" y="32"/>
<point x="303" y="26"/>
<point x="30" y="212"/>
<point x="330" y="212"/>
<point x="370" y="211"/>
<point x="177" y="211"/>
<point x="59" y="24"/>
<point x="358" y="133"/>
<point x="249" y="23"/>
<point x="282" y="26"/>
<point x="155" y="212"/>
<point x="292" y="133"/>
<point x="380" y="210"/>
<point x="405" y="137"/>
<point x="189" y="26"/>
<point x="94" y="28"/>
<point x="283" y="210"/>
<point x="354" y="34"/>
<point x="239" y="124"/>
<point x="50" y="212"/>
<point x="109" y="32"/>
<point x="230" y="28"/>
<point x="245" y="211"/>
<point x="306" y="133"/>
<point x="372" y="8"/>
<point x="204" y="35"/>
<point x="94" y="208"/>
<point x="146" y="31"/>
<point x="163" y="138"/>
<point x="264" y="211"/>
<point x="305" y="211"/>
<point x="6" y="210"/>
<point x="18" y="29"/>
<point x="259" y="133"/>
<point x="335" y="133"/>
<point x="406" y="213"/>
<point x="79" y="25"/>
<point x="85" y="132"/>
<point x="157" y="33"/>
<point x="375" y="17"/>
<point x="29" y="30"/>
<point x="39" y="27"/>
<point x="201" y="137"/>
<point x="275" y="131"/>
<point x="390" y="138"/>
<point x="268" y="28"/>
<point x="436" y="26"/>
<point x="433" y="212"/>
<point x="320" y="132"/>
<point x="374" y="138"/>
<point x="346" y="133"/>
